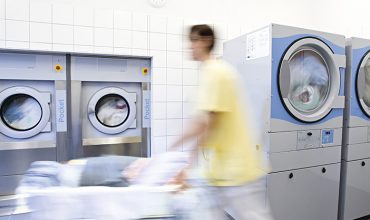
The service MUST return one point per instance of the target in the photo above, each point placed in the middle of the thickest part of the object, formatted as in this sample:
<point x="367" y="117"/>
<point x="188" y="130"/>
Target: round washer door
<point x="363" y="84"/>
<point x="25" y="112"/>
<point x="309" y="80"/>
<point x="112" y="110"/>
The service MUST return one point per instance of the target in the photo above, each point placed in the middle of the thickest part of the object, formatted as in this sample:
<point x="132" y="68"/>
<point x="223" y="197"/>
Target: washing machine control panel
<point x="327" y="136"/>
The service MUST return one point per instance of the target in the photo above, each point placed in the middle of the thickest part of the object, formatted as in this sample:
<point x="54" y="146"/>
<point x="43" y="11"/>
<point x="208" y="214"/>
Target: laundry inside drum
<point x="309" y="81"/>
<point x="21" y="112"/>
<point x="112" y="110"/>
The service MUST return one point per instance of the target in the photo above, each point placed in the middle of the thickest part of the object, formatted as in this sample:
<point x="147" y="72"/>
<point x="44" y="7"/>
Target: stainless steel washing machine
<point x="110" y="105"/>
<point x="33" y="114"/>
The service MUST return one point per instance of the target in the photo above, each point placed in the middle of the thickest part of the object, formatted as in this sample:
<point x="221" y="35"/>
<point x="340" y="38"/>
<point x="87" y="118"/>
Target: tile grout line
<point x="73" y="29"/>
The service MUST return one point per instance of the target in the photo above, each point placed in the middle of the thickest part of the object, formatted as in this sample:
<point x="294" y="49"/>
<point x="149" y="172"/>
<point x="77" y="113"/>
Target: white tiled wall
<point x="83" y="35"/>
<point x="103" y="37"/>
<point x="122" y="38"/>
<point x="46" y="25"/>
<point x="157" y="41"/>
<point x="18" y="10"/>
<point x="40" y="46"/>
<point x="83" y="17"/>
<point x="174" y="110"/>
<point x="159" y="59"/>
<point x="2" y="9"/>
<point x="61" y="13"/>
<point x="174" y="76"/>
<point x="40" y="32"/>
<point x="40" y="11"/>
<point x="62" y="34"/>
<point x="122" y="20"/>
<point x="139" y="22"/>
<point x="2" y="29"/>
<point x="160" y="143"/>
<point x="157" y="24"/>
<point x="17" y="31"/>
<point x="140" y="40"/>
<point x="103" y="18"/>
<point x="190" y="77"/>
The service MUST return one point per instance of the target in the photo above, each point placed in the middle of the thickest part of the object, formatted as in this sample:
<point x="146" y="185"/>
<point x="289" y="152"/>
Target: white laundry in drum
<point x="113" y="111"/>
<point x="309" y="82"/>
<point x="306" y="97"/>
<point x="22" y="112"/>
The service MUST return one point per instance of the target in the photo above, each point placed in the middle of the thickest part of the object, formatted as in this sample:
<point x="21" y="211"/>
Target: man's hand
<point x="132" y="172"/>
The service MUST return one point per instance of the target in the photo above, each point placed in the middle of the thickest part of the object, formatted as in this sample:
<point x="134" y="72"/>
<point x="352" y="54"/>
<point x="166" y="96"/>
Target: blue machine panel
<point x="327" y="136"/>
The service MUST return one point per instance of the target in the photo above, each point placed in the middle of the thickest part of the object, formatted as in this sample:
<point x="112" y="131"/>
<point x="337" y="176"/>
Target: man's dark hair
<point x="204" y="30"/>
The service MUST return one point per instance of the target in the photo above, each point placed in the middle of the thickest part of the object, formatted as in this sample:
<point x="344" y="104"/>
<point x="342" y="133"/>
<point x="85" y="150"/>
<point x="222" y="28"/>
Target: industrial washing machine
<point x="293" y="80"/>
<point x="33" y="123"/>
<point x="355" y="173"/>
<point x="110" y="106"/>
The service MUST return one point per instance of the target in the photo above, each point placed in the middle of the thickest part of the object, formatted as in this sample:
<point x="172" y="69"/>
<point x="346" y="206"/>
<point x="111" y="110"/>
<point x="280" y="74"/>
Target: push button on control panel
<point x="144" y="71"/>
<point x="58" y="67"/>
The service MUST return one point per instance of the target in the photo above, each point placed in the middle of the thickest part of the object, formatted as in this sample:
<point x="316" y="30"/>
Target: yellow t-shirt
<point x="231" y="158"/>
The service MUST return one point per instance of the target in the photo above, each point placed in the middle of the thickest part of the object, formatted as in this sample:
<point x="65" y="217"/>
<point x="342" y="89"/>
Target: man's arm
<point x="198" y="127"/>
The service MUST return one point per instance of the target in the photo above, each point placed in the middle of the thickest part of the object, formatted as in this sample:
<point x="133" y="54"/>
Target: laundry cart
<point x="99" y="188"/>
<point x="101" y="203"/>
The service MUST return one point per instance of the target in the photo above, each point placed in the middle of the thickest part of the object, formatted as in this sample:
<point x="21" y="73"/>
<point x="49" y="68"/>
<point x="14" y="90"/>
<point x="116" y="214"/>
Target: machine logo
<point x="146" y="109"/>
<point x="61" y="112"/>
